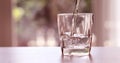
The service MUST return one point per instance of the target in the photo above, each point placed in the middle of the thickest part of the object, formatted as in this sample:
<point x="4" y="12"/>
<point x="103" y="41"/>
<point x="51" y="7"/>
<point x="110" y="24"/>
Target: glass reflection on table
<point x="77" y="59"/>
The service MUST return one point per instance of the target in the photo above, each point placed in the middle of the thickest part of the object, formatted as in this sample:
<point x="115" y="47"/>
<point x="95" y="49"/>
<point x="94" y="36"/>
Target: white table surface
<point x="53" y="55"/>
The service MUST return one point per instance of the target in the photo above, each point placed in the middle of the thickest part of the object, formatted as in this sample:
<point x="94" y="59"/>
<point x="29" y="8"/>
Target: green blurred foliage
<point x="88" y="8"/>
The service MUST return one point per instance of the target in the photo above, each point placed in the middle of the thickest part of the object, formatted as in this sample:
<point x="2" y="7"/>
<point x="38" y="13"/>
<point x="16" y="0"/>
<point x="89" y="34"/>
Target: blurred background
<point x="34" y="22"/>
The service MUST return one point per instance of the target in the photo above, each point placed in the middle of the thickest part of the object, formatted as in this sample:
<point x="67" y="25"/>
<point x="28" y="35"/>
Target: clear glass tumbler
<point x="75" y="33"/>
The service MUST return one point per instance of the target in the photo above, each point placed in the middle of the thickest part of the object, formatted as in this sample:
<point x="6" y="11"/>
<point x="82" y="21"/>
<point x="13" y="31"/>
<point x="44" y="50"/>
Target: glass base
<point x="75" y="51"/>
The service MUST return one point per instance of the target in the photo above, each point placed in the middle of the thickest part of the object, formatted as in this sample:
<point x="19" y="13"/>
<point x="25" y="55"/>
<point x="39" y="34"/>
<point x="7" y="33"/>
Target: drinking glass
<point x="75" y="33"/>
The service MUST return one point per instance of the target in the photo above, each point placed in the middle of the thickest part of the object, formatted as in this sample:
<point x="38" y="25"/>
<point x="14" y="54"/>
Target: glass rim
<point x="72" y="14"/>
